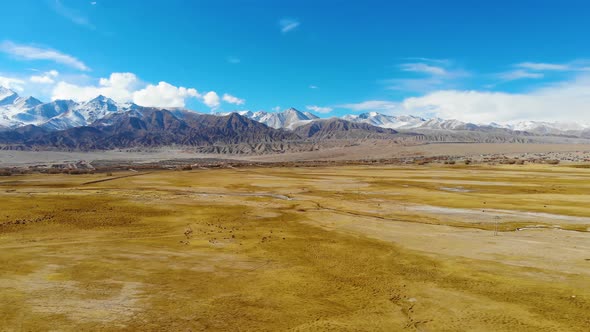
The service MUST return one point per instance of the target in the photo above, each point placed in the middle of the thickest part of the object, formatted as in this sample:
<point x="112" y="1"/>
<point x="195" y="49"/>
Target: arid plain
<point x="344" y="248"/>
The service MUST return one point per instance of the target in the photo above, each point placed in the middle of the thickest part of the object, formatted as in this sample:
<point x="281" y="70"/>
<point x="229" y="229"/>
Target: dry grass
<point x="304" y="249"/>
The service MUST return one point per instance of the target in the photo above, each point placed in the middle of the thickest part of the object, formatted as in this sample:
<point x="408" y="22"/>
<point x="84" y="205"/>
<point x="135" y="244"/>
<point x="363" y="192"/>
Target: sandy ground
<point x="348" y="248"/>
<point x="20" y="158"/>
<point x="543" y="249"/>
<point x="366" y="150"/>
<point x="380" y="149"/>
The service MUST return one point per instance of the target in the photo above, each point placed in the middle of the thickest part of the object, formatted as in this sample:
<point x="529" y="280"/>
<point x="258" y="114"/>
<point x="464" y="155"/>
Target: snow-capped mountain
<point x="16" y="111"/>
<point x="289" y="119"/>
<point x="13" y="107"/>
<point x="442" y="124"/>
<point x="41" y="113"/>
<point x="409" y="122"/>
<point x="80" y="114"/>
<point x="548" y="128"/>
<point x="7" y="96"/>
<point x="386" y="121"/>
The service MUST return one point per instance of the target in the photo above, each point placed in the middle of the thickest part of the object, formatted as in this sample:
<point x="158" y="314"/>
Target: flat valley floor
<point x="363" y="248"/>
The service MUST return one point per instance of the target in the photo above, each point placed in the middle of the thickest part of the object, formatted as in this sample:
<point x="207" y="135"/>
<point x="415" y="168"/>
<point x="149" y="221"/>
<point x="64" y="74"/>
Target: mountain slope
<point x="7" y="96"/>
<point x="437" y="123"/>
<point x="150" y="127"/>
<point x="336" y="128"/>
<point x="21" y="134"/>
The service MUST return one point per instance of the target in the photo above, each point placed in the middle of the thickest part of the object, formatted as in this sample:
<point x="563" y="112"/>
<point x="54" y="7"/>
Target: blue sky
<point x="477" y="61"/>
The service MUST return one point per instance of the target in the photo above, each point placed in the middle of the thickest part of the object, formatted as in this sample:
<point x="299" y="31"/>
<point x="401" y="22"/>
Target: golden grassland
<point x="363" y="248"/>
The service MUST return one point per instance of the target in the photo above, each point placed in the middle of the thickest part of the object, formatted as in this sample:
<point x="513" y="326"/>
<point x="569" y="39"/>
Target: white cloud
<point x="276" y="108"/>
<point x="443" y="62"/>
<point x="313" y="87"/>
<point x="12" y="83"/>
<point x="423" y="68"/>
<point x="163" y="95"/>
<point x="519" y="74"/>
<point x="65" y="90"/>
<point x="123" y="87"/>
<point x="45" y="78"/>
<point x="435" y="74"/>
<point x="119" y="87"/>
<point x="288" y="24"/>
<point x="421" y="85"/>
<point x="232" y="99"/>
<point x="319" y="109"/>
<point x="233" y="60"/>
<point x="373" y="105"/>
<point x="71" y="14"/>
<point x="122" y="81"/>
<point x="93" y="3"/>
<point x="211" y="99"/>
<point x="543" y="66"/>
<point x="28" y="52"/>
<point x="565" y="101"/>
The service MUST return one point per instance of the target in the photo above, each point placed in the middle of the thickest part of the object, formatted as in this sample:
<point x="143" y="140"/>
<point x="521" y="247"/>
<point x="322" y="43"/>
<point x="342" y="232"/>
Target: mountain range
<point x="288" y="119"/>
<point x="16" y="111"/>
<point x="102" y="123"/>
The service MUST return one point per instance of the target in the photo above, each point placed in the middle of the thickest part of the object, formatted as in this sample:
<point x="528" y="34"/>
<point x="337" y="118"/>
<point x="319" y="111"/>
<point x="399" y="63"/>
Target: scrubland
<point x="348" y="248"/>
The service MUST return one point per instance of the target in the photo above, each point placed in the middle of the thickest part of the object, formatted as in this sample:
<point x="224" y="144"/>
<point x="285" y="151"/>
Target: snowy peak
<point x="386" y="121"/>
<point x="417" y="123"/>
<point x="27" y="102"/>
<point x="295" y="113"/>
<point x="290" y="118"/>
<point x="18" y="111"/>
<point x="97" y="109"/>
<point x="7" y="96"/>
<point x="102" y="98"/>
<point x="5" y="91"/>
<point x="548" y="128"/>
<point x="293" y="117"/>
<point x="101" y="101"/>
<point x="15" y="110"/>
<point x="247" y="114"/>
<point x="442" y="124"/>
<point x="310" y="115"/>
